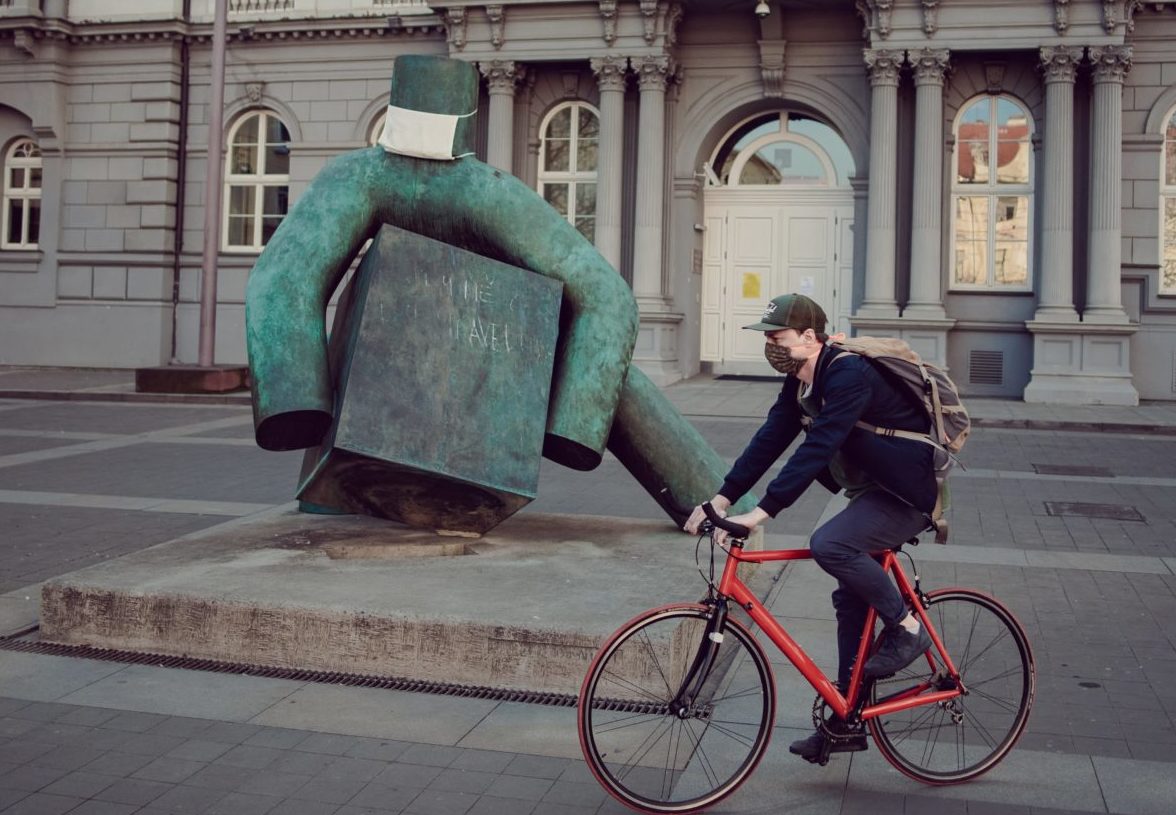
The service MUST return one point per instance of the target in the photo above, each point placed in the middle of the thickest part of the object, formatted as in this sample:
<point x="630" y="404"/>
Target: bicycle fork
<point x="695" y="680"/>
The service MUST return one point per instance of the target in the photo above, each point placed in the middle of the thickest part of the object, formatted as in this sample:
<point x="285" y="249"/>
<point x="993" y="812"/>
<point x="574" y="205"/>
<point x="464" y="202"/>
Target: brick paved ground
<point x="85" y="481"/>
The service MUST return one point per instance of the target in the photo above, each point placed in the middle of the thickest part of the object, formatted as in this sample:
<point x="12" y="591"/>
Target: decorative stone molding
<point x="24" y="41"/>
<point x="1059" y="63"/>
<point x="1110" y="15"/>
<point x="884" y="65"/>
<point x="673" y="18"/>
<point x="863" y="10"/>
<point x="649" y="20"/>
<point x="675" y="81"/>
<point x="254" y="91"/>
<point x="455" y="27"/>
<point x="1130" y="9"/>
<point x="608" y="15"/>
<point x="502" y="75"/>
<point x="612" y="73"/>
<point x="930" y="17"/>
<point x="1061" y="15"/>
<point x="929" y="64"/>
<point x="772" y="66"/>
<point x="882" y="11"/>
<point x="994" y="73"/>
<point x="652" y="72"/>
<point x="1111" y="62"/>
<point x="497" y="16"/>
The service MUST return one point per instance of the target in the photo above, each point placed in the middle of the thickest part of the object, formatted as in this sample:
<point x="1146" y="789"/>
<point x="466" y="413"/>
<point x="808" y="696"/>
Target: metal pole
<point x="212" y="188"/>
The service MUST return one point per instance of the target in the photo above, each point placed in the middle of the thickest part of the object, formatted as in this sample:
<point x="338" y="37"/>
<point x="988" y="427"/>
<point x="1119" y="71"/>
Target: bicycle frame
<point x="732" y="588"/>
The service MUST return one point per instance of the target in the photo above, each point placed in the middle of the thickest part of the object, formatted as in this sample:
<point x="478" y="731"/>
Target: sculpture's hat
<point x="431" y="108"/>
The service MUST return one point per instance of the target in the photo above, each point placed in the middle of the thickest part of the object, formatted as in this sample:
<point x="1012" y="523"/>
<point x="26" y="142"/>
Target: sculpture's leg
<point x="663" y="451"/>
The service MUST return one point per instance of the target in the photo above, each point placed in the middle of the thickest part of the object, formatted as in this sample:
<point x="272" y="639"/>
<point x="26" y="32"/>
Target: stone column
<point x="611" y="74"/>
<point x="501" y="77"/>
<point x="652" y="73"/>
<point x="1103" y="298"/>
<point x="884" y="66"/>
<point x="926" y="299"/>
<point x="1056" y="300"/>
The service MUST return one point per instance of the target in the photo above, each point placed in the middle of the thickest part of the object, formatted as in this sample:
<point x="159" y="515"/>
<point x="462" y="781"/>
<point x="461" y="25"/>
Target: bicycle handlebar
<point x="712" y="516"/>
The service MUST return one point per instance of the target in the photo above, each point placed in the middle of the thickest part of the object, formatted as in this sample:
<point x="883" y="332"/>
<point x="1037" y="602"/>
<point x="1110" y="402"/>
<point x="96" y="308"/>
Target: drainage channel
<point x="17" y="643"/>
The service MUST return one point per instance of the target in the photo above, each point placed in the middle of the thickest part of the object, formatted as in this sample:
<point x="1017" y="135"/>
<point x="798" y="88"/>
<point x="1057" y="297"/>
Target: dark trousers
<point x="872" y="522"/>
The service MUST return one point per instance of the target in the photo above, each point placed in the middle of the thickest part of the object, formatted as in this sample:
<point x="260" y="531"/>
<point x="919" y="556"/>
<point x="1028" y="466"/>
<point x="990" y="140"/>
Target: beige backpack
<point x="948" y="421"/>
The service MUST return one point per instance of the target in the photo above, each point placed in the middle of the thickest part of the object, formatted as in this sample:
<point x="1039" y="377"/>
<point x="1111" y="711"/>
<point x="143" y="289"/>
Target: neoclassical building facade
<point x="992" y="180"/>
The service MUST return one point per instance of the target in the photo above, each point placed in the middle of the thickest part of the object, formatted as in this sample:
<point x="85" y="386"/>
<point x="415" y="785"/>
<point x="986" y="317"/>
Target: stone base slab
<point x="523" y="607"/>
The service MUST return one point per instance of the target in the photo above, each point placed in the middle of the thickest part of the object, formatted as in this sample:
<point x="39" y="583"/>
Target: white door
<point x="755" y="252"/>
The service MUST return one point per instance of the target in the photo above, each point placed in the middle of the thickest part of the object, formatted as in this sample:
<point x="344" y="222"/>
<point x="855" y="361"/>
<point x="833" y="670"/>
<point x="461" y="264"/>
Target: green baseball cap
<point x="791" y="311"/>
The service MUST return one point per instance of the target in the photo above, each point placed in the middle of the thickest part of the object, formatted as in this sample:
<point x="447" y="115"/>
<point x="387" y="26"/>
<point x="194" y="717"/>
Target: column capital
<point x="502" y="75"/>
<point x="612" y="72"/>
<point x="1111" y="62"/>
<point x="1059" y="63"/>
<point x="930" y="64"/>
<point x="884" y="65"/>
<point x="652" y="72"/>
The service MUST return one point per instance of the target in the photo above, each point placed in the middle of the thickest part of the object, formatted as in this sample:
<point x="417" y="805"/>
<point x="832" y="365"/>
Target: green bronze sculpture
<point x="423" y="178"/>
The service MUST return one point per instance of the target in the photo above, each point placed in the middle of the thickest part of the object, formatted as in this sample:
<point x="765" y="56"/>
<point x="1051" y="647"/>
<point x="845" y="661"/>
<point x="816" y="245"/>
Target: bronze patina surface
<point x="442" y="362"/>
<point x="468" y="205"/>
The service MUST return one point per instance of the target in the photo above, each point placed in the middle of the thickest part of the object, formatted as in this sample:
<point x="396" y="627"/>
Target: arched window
<point x="992" y="195"/>
<point x="782" y="149"/>
<point x="1168" y="208"/>
<point x="257" y="181"/>
<point x="569" y="136"/>
<point x="377" y="129"/>
<point x="22" y="195"/>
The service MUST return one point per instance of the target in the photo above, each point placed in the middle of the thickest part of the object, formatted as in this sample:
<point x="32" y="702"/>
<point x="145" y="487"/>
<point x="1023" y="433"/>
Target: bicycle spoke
<point x="1008" y="706"/>
<point x="627" y="683"/>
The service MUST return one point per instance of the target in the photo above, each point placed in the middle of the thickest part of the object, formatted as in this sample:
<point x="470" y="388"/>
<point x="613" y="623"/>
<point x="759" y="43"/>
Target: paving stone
<point x="256" y="758"/>
<point x="8" y="706"/>
<point x="470" y="781"/>
<point x="571" y="792"/>
<point x="184" y="798"/>
<point x="552" y="808"/>
<point x="80" y="784"/>
<point x="488" y="761"/>
<point x="537" y="766"/>
<point x="518" y="786"/>
<point x="136" y="791"/>
<point x="103" y="808"/>
<point x="992" y="808"/>
<point x="169" y="770"/>
<point x="152" y="744"/>
<point x="382" y="797"/>
<point x="199" y="750"/>
<point x="273" y="782"/>
<point x="19" y="752"/>
<point x="118" y="764"/>
<point x="278" y="738"/>
<point x="31" y="778"/>
<point x="408" y="775"/>
<point x="230" y="732"/>
<point x="185" y="727"/>
<point x="330" y="790"/>
<point x="437" y="802"/>
<point x="379" y="749"/>
<point x="220" y="776"/>
<point x="10" y="797"/>
<point x="43" y="711"/>
<point x="328" y="743"/>
<point x="11" y="728"/>
<point x="243" y="803"/>
<point x="433" y="755"/>
<point x="295" y="806"/>
<point x="302" y="763"/>
<point x="88" y="716"/>
<point x="135" y="722"/>
<point x="41" y="804"/>
<point x="488" y="805"/>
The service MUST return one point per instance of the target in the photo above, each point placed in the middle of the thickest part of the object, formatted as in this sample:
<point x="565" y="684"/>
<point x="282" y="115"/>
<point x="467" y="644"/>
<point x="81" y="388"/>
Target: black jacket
<point x="849" y="390"/>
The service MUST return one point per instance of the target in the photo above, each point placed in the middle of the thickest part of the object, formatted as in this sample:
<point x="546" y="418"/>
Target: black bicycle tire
<point x="597" y="669"/>
<point x="917" y="772"/>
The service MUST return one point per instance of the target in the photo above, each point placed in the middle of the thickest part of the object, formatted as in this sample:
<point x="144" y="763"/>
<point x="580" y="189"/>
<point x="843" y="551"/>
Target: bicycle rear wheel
<point x="962" y="738"/>
<point x="652" y="759"/>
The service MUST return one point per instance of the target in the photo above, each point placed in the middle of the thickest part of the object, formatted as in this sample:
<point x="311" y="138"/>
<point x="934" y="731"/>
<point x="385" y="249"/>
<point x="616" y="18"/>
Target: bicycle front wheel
<point x="652" y="758"/>
<point x="962" y="738"/>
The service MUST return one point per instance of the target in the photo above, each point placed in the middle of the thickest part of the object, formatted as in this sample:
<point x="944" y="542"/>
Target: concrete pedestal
<point x="1081" y="364"/>
<point x="523" y="607"/>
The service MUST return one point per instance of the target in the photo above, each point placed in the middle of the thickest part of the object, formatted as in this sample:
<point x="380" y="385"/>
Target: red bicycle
<point x="678" y="704"/>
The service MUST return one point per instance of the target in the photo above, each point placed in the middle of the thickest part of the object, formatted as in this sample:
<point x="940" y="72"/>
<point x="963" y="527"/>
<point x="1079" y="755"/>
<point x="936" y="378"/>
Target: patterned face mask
<point x="779" y="358"/>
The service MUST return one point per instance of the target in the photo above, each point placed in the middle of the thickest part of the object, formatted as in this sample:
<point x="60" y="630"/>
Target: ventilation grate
<point x="19" y="645"/>
<point x="1110" y="512"/>
<point x="986" y="368"/>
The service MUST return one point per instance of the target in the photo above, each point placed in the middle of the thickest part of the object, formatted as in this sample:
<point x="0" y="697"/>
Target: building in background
<point x="993" y="180"/>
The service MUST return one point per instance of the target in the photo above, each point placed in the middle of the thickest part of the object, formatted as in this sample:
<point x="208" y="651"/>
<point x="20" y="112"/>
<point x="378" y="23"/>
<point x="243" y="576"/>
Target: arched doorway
<point x="778" y="215"/>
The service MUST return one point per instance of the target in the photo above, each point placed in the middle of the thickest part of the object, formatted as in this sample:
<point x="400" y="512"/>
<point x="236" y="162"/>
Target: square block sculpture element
<point x="442" y="361"/>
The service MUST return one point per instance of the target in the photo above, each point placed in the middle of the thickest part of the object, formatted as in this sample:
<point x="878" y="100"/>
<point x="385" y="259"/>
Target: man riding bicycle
<point x="889" y="481"/>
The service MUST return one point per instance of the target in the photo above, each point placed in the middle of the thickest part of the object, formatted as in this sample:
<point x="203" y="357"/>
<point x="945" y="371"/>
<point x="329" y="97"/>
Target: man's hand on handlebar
<point x="749" y="519"/>
<point x="694" y="522"/>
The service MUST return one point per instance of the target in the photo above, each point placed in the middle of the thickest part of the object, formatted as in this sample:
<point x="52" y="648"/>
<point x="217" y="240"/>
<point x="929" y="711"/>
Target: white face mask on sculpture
<point x="780" y="359"/>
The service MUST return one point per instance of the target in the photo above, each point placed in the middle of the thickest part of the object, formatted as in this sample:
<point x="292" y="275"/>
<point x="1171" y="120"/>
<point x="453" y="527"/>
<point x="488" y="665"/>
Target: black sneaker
<point x="853" y="741"/>
<point x="898" y="649"/>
